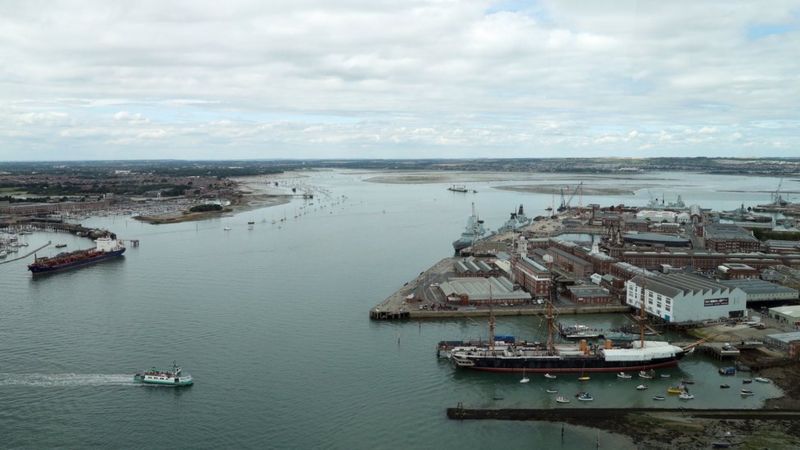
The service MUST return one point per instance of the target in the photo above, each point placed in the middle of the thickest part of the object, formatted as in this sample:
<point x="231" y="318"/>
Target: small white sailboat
<point x="524" y="378"/>
<point x="549" y="377"/>
<point x="624" y="376"/>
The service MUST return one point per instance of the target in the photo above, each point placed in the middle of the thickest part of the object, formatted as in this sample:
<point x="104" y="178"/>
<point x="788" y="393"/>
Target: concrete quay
<point x="421" y="299"/>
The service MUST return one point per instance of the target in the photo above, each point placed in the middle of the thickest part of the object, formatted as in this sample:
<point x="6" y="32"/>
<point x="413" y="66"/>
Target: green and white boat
<point x="174" y="377"/>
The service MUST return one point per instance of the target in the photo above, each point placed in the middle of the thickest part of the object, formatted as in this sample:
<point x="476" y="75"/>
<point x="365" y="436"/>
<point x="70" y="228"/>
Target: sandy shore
<point x="424" y="177"/>
<point x="587" y="190"/>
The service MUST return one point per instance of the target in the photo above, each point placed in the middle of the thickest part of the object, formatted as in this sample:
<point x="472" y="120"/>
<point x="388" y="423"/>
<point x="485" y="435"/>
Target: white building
<point x="786" y="314"/>
<point x="682" y="297"/>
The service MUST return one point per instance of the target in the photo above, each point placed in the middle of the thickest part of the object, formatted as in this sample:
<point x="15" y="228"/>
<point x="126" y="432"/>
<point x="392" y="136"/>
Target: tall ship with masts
<point x="549" y="357"/>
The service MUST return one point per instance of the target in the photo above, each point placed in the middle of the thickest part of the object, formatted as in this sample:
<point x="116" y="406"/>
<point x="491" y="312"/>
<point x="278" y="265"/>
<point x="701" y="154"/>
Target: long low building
<point x="786" y="314"/>
<point x="482" y="291"/>
<point x="656" y="239"/>
<point x="686" y="298"/>
<point x="762" y="291"/>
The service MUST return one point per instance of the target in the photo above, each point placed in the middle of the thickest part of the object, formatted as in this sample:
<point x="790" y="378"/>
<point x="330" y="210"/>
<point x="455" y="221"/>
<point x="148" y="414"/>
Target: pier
<point x="6" y="261"/>
<point x="591" y="414"/>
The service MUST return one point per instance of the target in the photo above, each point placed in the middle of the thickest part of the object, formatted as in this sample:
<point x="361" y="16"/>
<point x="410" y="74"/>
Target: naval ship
<point x="472" y="232"/>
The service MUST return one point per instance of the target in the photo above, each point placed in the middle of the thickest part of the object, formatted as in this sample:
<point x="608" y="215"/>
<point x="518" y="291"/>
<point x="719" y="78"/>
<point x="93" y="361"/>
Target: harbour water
<point x="272" y="323"/>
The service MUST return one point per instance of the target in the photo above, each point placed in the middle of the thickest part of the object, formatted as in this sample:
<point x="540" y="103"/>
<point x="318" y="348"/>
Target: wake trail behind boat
<point x="65" y="379"/>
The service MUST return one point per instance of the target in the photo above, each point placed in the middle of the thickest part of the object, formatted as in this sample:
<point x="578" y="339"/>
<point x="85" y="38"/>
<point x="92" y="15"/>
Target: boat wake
<point x="65" y="379"/>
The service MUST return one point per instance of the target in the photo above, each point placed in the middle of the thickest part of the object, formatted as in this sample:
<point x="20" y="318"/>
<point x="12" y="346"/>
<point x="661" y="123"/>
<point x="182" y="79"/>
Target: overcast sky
<point x="398" y="78"/>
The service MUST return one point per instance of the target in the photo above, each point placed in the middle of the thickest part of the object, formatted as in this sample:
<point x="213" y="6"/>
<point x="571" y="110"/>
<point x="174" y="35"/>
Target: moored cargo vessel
<point x="105" y="248"/>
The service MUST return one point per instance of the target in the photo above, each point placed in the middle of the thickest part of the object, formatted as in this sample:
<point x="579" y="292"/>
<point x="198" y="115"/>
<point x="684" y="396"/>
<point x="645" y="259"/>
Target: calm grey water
<point x="272" y="323"/>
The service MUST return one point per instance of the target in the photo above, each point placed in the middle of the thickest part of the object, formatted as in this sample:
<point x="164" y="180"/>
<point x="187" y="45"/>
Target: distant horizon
<point x="777" y="158"/>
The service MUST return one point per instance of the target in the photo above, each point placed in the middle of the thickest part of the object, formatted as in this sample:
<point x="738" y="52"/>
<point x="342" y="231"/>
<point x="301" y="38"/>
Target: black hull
<point x="42" y="269"/>
<point x="568" y="365"/>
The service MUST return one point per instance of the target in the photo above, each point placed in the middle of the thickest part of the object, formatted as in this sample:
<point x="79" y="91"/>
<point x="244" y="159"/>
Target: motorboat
<point x="624" y="376"/>
<point x="761" y="379"/>
<point x="674" y="390"/>
<point x="665" y="375"/>
<point x="585" y="397"/>
<point x="724" y="386"/>
<point x="686" y="396"/>
<point x="551" y="391"/>
<point x="746" y="393"/>
<point x="562" y="399"/>
<point x="171" y="377"/>
<point x="659" y="398"/>
<point x="747" y="381"/>
<point x="549" y="377"/>
<point x="524" y="380"/>
<point x="646" y="375"/>
<point x="584" y="378"/>
<point x="641" y="387"/>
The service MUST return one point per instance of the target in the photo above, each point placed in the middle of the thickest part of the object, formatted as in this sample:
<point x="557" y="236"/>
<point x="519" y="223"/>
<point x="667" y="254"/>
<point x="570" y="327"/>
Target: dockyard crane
<point x="565" y="205"/>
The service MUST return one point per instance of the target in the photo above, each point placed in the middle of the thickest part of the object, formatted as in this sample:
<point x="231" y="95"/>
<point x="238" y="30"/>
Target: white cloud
<point x="380" y="78"/>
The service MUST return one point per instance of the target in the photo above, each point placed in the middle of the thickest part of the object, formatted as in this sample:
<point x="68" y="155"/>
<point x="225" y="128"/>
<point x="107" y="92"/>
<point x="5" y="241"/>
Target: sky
<point x="204" y="79"/>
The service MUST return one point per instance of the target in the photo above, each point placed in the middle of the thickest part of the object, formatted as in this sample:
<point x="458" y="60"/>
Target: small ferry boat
<point x="624" y="376"/>
<point x="173" y="377"/>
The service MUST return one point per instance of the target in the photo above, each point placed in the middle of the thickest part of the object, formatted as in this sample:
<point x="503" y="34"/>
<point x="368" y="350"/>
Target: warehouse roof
<point x="728" y="232"/>
<point x="791" y="310"/>
<point x="752" y="287"/>
<point x="680" y="283"/>
<point x="786" y="337"/>
<point x="656" y="238"/>
<point x="498" y="288"/>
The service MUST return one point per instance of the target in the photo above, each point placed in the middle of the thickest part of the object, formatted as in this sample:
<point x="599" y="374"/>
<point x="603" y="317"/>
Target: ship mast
<point x="641" y="317"/>
<point x="549" y="315"/>
<point x="491" y="321"/>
